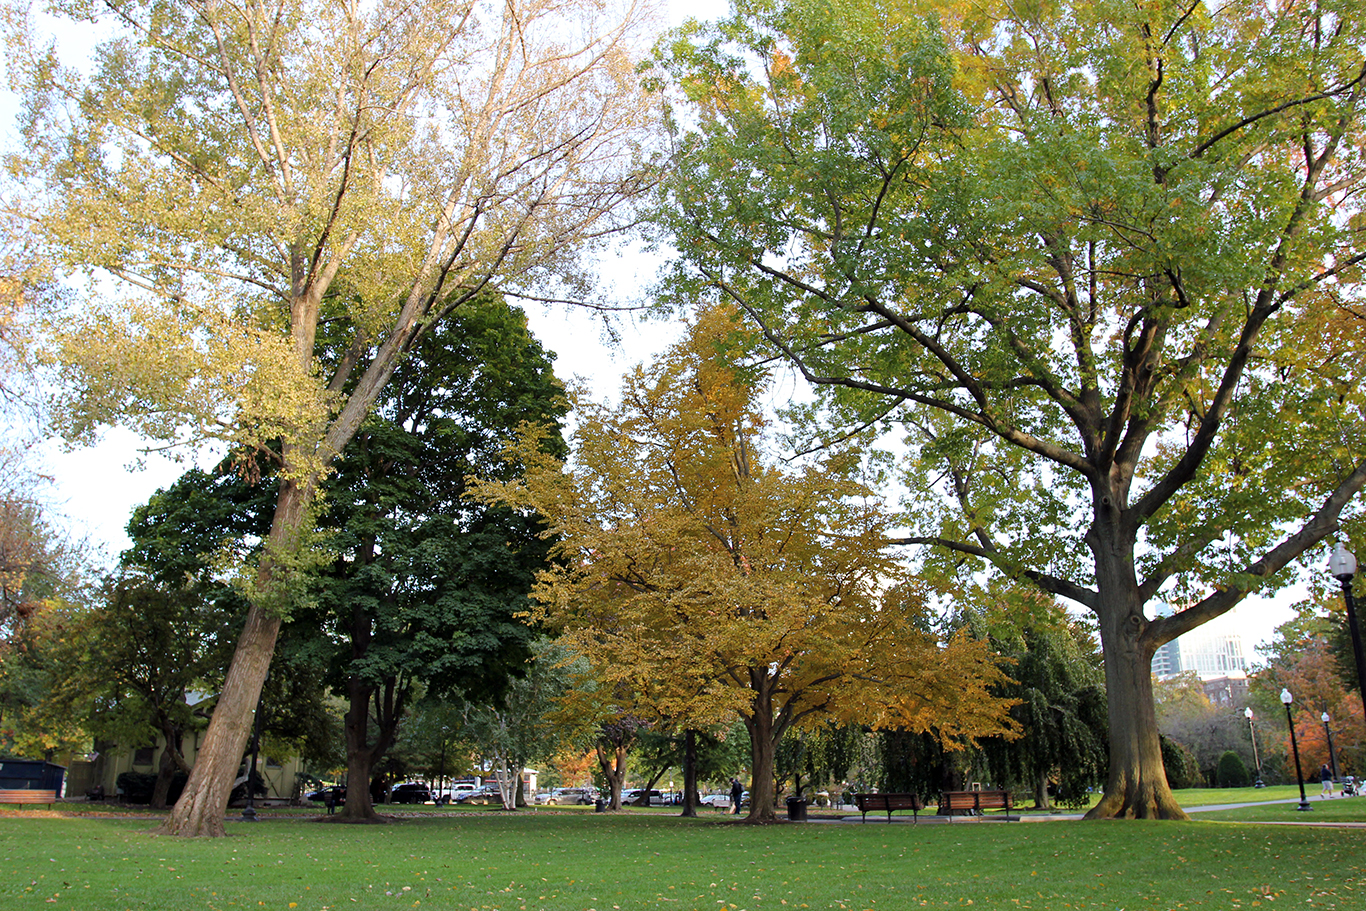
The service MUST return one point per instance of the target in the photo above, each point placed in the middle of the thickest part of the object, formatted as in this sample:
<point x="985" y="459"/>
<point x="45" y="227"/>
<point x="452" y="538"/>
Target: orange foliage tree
<point x="1304" y="663"/>
<point x="716" y="583"/>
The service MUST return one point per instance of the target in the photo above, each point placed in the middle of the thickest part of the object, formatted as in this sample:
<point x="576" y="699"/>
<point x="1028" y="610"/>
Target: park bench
<point x="972" y="803"/>
<point x="27" y="795"/>
<point x="889" y="802"/>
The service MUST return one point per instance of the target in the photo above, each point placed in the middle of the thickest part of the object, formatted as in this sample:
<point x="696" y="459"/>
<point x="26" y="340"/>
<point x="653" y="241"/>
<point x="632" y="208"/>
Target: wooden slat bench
<point x="27" y="795"/>
<point x="973" y="802"/>
<point x="890" y="802"/>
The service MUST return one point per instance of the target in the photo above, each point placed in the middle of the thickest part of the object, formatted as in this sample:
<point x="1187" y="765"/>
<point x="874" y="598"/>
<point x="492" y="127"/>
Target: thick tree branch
<point x="1049" y="583"/>
<point x="1321" y="524"/>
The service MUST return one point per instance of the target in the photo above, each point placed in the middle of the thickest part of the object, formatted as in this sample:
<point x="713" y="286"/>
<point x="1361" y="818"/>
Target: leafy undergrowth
<point x="613" y="862"/>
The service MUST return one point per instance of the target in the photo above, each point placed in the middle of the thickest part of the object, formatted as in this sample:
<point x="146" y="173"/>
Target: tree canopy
<point x="423" y="588"/>
<point x="1097" y="264"/>
<point x="699" y="574"/>
<point x="249" y="173"/>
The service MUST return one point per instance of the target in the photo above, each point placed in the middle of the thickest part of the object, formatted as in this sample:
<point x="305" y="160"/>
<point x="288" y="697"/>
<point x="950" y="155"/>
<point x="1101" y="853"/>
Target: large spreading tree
<point x="702" y="575"/>
<point x="1098" y="262"/>
<point x="423" y="587"/>
<point x="247" y="173"/>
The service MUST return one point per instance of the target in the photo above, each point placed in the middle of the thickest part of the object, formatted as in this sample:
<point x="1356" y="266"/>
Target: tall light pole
<point x="249" y="811"/>
<point x="441" y="766"/>
<point x="1343" y="566"/>
<point x="1332" y="760"/>
<point x="1252" y="731"/>
<point x="1286" y="699"/>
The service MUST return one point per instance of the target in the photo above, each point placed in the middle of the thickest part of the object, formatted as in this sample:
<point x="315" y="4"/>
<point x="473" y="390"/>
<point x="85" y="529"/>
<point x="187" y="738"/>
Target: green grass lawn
<point x="494" y="861"/>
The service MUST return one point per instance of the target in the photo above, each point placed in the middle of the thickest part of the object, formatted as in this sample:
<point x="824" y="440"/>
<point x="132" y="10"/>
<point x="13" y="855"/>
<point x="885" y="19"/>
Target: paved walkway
<point x="931" y="818"/>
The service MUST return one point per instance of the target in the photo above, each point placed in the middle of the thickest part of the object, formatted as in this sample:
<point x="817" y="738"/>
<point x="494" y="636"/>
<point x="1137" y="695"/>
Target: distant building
<point x="1213" y="652"/>
<point x="1230" y="690"/>
<point x="1167" y="660"/>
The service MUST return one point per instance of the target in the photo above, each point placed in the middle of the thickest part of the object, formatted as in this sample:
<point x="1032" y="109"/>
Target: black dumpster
<point x="796" y="809"/>
<point x="31" y="775"/>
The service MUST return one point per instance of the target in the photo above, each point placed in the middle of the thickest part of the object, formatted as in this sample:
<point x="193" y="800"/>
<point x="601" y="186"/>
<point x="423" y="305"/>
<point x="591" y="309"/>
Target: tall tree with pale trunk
<point x="246" y="172"/>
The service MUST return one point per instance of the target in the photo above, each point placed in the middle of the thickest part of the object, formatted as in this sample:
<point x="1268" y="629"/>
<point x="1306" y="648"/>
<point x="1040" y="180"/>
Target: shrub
<point x="137" y="787"/>
<point x="1182" y="769"/>
<point x="1232" y="771"/>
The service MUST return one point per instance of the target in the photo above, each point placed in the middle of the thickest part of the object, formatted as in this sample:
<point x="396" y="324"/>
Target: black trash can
<point x="599" y="806"/>
<point x="796" y="809"/>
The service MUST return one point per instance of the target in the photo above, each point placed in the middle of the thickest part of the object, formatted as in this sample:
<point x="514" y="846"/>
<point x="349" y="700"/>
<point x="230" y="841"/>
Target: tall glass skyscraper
<point x="1211" y="651"/>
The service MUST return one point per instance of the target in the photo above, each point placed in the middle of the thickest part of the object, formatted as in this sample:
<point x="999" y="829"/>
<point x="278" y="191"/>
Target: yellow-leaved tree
<point x="288" y="194"/>
<point x="699" y="571"/>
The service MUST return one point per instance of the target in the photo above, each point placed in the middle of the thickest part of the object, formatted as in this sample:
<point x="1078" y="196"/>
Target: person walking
<point x="1326" y="776"/>
<point x="737" y="791"/>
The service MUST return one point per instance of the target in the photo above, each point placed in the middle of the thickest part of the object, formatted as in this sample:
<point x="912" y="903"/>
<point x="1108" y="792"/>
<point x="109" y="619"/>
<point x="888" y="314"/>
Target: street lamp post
<point x="441" y="769"/>
<point x="1252" y="731"/>
<point x="1343" y="566"/>
<point x="1286" y="699"/>
<point x="249" y="811"/>
<point x="1332" y="760"/>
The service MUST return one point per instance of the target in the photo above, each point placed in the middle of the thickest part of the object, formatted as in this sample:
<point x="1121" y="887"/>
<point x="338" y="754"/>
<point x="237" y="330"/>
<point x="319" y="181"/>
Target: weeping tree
<point x="1057" y="680"/>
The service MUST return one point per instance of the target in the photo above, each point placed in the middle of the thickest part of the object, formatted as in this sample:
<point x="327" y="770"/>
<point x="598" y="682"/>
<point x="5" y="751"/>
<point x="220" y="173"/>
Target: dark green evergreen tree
<point x="422" y="588"/>
<point x="426" y="585"/>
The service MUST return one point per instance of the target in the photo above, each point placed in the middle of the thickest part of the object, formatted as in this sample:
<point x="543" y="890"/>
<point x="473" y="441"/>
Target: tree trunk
<point x="1137" y="785"/>
<point x="201" y="808"/>
<point x="761" y="747"/>
<point x="689" y="773"/>
<point x="361" y="756"/>
<point x="1041" y="801"/>
<point x="166" y="769"/>
<point x="613" y="767"/>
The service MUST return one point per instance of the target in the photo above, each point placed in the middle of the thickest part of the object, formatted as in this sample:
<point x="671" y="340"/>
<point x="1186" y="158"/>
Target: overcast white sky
<point x="98" y="487"/>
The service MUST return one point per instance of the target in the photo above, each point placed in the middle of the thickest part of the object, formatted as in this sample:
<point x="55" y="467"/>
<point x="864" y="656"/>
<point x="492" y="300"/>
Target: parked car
<point x="715" y="800"/>
<point x="410" y="793"/>
<point x="481" y="797"/>
<point x="568" y="797"/>
<point x="336" y="791"/>
<point x="638" y="797"/>
<point x="453" y="793"/>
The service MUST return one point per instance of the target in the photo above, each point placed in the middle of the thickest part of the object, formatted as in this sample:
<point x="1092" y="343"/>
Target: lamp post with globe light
<point x="1286" y="699"/>
<point x="1343" y="566"/>
<point x="1332" y="760"/>
<point x="1252" y="731"/>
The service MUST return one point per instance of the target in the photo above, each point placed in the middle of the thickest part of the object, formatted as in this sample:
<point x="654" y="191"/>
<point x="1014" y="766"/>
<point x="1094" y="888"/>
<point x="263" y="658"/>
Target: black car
<point x="410" y="793"/>
<point x="336" y="792"/>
